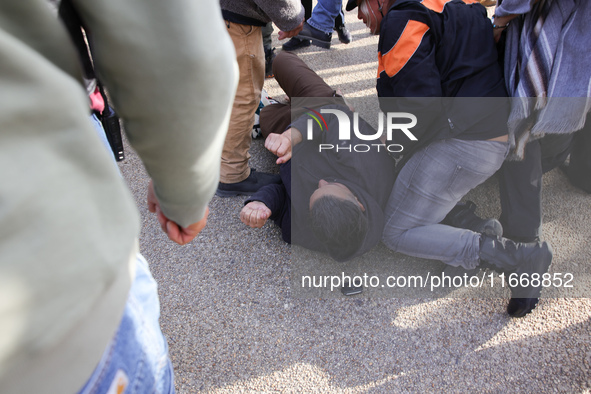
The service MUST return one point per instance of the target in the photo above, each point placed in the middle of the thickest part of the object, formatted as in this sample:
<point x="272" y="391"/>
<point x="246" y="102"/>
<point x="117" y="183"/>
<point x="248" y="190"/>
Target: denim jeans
<point x="427" y="188"/>
<point x="136" y="360"/>
<point x="324" y="14"/>
<point x="100" y="131"/>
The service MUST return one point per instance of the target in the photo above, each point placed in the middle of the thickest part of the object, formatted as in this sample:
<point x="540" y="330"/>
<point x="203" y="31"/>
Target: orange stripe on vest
<point x="397" y="57"/>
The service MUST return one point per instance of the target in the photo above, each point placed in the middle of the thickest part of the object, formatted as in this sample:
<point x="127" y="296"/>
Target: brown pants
<point x="248" y="42"/>
<point x="297" y="80"/>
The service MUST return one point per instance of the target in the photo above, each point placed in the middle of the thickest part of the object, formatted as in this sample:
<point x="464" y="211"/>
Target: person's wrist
<point x="499" y="25"/>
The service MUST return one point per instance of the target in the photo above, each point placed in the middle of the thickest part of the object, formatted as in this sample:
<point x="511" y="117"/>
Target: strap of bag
<point x="108" y="117"/>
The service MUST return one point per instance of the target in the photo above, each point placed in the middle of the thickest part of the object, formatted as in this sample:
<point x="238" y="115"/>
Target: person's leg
<point x="342" y="31"/>
<point x="137" y="356"/>
<point x="520" y="189"/>
<point x="307" y="4"/>
<point x="520" y="186"/>
<point x="319" y="27"/>
<point x="340" y="19"/>
<point x="324" y="15"/>
<point x="555" y="150"/>
<point x="267" y="32"/>
<point x="251" y="62"/>
<point x="427" y="188"/>
<point x="297" y="80"/>
<point x="100" y="131"/>
<point x="579" y="168"/>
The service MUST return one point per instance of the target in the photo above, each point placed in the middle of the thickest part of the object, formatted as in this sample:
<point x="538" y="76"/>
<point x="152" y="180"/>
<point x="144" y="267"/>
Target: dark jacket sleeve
<point x="408" y="70"/>
<point x="277" y="197"/>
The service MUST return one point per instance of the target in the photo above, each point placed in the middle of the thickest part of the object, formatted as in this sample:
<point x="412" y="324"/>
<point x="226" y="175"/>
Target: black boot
<point x="463" y="216"/>
<point x="520" y="263"/>
<point x="344" y="34"/>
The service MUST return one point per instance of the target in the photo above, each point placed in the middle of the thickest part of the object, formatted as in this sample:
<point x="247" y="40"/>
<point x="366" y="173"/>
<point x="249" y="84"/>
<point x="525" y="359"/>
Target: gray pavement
<point x="235" y="324"/>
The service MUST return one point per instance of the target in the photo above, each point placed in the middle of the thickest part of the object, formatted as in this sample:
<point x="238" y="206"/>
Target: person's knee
<point x="282" y="60"/>
<point x="391" y="236"/>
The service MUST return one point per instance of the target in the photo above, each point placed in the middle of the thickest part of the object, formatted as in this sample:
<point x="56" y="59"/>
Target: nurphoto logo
<point x="395" y="122"/>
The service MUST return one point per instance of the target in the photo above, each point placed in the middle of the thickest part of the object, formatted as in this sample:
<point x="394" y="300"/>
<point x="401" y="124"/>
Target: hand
<point x="503" y="22"/>
<point x="255" y="214"/>
<point x="288" y="34"/>
<point x="180" y="235"/>
<point x="497" y="34"/>
<point x="280" y="145"/>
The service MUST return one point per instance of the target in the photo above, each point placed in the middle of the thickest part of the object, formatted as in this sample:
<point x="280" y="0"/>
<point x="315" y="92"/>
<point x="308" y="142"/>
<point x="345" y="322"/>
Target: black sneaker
<point x="295" y="43"/>
<point x="344" y="34"/>
<point x="250" y="185"/>
<point x="269" y="56"/>
<point x="317" y="37"/>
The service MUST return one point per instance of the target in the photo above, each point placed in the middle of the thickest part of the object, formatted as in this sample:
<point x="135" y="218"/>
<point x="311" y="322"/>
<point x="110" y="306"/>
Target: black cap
<point x="351" y="5"/>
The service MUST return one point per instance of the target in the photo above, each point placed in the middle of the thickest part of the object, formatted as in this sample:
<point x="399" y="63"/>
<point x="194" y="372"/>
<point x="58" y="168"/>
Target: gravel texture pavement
<point x="235" y="323"/>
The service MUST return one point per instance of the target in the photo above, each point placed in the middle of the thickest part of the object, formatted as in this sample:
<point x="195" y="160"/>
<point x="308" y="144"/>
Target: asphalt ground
<point x="236" y="321"/>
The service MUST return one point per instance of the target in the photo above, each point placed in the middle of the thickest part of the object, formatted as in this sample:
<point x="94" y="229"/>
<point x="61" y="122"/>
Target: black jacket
<point x="370" y="176"/>
<point x="443" y="51"/>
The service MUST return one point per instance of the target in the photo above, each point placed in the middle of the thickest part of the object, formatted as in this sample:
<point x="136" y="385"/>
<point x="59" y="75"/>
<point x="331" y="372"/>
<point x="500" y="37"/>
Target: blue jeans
<point x="427" y="188"/>
<point x="137" y="357"/>
<point x="324" y="14"/>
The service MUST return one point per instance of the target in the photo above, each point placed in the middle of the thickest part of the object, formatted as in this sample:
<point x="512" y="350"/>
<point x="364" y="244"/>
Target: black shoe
<point x="317" y="37"/>
<point x="269" y="56"/>
<point x="520" y="262"/>
<point x="344" y="34"/>
<point x="519" y="307"/>
<point x="250" y="185"/>
<point x="463" y="216"/>
<point x="295" y="43"/>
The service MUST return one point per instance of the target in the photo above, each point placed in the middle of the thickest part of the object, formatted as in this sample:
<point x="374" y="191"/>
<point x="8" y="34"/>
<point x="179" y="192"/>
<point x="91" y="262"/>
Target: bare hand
<point x="502" y="21"/>
<point x="497" y="34"/>
<point x="180" y="235"/>
<point x="255" y="214"/>
<point x="292" y="33"/>
<point x="280" y="145"/>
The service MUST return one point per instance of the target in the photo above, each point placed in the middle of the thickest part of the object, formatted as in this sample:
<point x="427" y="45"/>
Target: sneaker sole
<point x="317" y="42"/>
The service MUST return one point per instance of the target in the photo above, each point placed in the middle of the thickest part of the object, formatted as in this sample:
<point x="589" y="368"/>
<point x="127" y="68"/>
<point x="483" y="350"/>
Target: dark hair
<point x="339" y="224"/>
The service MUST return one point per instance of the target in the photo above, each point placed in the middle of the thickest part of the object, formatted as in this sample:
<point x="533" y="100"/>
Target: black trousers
<point x="520" y="182"/>
<point x="520" y="185"/>
<point x="579" y="169"/>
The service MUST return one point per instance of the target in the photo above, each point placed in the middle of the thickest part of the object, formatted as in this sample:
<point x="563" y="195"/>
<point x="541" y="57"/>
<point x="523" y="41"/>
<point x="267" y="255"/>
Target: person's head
<point x="371" y="12"/>
<point x="337" y="217"/>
